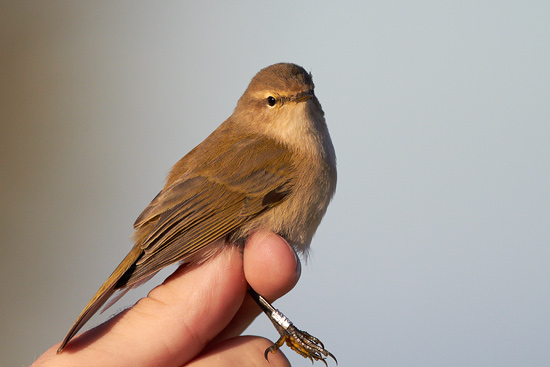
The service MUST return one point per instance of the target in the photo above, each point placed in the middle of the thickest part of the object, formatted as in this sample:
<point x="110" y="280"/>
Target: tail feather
<point x="102" y="295"/>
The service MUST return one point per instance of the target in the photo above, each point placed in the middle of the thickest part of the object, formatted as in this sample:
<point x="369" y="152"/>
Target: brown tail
<point x="102" y="295"/>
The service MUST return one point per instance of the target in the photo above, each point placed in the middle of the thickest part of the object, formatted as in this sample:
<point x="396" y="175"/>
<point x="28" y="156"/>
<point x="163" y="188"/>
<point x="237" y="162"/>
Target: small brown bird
<point x="271" y="165"/>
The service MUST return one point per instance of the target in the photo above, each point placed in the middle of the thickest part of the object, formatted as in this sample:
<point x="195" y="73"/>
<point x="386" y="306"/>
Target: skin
<point x="211" y="307"/>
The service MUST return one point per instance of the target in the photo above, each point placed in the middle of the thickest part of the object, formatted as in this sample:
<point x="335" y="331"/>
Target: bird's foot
<point x="302" y="343"/>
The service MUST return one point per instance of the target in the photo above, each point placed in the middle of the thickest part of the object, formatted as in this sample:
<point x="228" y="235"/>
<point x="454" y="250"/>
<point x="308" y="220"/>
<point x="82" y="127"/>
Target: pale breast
<point x="299" y="215"/>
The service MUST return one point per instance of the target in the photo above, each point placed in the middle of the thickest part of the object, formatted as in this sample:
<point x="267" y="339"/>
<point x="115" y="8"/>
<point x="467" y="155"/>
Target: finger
<point x="272" y="268"/>
<point x="241" y="351"/>
<point x="172" y="324"/>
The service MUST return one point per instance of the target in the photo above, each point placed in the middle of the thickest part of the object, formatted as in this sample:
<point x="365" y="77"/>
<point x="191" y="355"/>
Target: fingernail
<point x="298" y="268"/>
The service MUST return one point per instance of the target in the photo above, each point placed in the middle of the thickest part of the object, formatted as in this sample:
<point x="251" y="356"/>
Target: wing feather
<point x="202" y="207"/>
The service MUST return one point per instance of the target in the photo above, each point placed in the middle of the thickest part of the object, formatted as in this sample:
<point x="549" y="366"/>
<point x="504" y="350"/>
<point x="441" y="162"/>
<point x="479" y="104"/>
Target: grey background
<point x="435" y="250"/>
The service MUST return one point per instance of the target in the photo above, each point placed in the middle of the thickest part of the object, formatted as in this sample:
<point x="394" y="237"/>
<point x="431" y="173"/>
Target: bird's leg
<point x="300" y="341"/>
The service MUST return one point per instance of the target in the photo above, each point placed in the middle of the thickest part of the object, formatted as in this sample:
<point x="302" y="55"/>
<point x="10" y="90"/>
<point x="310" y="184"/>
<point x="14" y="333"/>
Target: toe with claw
<point x="302" y="343"/>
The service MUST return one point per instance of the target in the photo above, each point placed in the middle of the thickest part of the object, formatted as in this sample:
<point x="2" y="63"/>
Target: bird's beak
<point x="304" y="96"/>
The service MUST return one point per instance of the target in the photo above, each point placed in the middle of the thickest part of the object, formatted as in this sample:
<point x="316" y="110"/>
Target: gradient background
<point x="435" y="251"/>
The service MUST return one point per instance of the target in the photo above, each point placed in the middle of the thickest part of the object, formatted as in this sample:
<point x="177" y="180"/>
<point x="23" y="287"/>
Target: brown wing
<point x="210" y="202"/>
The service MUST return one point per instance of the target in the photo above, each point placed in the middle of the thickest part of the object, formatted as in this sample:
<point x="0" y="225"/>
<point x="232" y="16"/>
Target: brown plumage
<point x="271" y="165"/>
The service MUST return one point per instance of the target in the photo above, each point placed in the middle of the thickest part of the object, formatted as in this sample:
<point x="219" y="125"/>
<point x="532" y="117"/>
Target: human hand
<point x="193" y="318"/>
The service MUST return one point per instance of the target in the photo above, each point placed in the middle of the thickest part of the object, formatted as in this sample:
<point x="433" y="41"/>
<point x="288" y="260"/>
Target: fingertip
<point x="271" y="266"/>
<point x="241" y="351"/>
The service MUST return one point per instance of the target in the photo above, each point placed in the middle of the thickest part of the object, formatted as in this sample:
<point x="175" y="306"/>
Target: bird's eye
<point x="271" y="101"/>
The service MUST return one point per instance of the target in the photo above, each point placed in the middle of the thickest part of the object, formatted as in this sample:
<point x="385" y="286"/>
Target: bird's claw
<point x="302" y="343"/>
